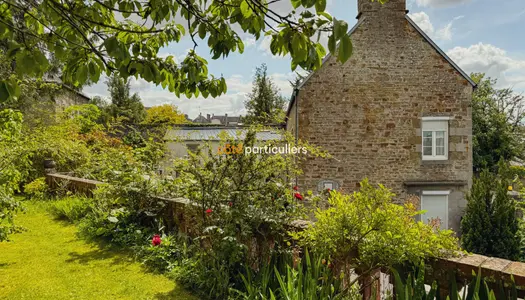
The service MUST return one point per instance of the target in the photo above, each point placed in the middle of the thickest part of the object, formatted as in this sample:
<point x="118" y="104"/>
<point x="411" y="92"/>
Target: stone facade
<point x="67" y="97"/>
<point x="368" y="112"/>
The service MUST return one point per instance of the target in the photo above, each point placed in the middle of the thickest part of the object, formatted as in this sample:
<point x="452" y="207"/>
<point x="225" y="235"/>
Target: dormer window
<point x="435" y="138"/>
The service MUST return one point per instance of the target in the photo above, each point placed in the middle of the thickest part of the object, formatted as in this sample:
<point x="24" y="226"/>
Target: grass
<point x="48" y="261"/>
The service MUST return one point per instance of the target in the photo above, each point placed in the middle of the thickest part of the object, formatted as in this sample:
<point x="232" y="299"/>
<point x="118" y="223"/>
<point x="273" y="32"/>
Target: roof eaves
<point x="69" y="88"/>
<point x="436" y="47"/>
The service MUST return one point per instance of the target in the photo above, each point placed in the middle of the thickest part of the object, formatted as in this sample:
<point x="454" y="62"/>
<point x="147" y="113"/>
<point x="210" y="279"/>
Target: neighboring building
<point x="398" y="112"/>
<point x="218" y="120"/>
<point x="68" y="96"/>
<point x="178" y="140"/>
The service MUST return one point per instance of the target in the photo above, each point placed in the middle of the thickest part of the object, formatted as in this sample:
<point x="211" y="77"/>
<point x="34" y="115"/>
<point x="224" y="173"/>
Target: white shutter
<point x="436" y="205"/>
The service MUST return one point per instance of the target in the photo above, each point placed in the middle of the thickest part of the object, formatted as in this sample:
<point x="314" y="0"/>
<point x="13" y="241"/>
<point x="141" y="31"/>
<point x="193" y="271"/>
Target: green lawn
<point x="48" y="261"/>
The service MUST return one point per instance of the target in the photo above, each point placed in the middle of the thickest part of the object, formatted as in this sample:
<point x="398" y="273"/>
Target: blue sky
<point x="479" y="35"/>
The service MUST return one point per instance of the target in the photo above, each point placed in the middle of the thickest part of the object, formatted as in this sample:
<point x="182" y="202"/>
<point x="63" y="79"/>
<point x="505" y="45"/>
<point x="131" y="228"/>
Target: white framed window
<point x="435" y="203"/>
<point x="435" y="138"/>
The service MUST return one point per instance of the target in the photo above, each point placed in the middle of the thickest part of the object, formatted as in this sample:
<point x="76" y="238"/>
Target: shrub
<point x="366" y="230"/>
<point x="164" y="257"/>
<point x="36" y="189"/>
<point x="72" y="208"/>
<point x="490" y="226"/>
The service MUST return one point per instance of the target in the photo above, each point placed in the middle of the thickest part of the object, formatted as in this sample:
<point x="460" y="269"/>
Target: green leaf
<point x="82" y="74"/>
<point x="345" y="49"/>
<point x="202" y="30"/>
<point x="326" y="15"/>
<point x="94" y="72"/>
<point x="111" y="44"/>
<point x="245" y="9"/>
<point x="320" y="6"/>
<point x="296" y="3"/>
<point x="331" y="44"/>
<point x="4" y="92"/>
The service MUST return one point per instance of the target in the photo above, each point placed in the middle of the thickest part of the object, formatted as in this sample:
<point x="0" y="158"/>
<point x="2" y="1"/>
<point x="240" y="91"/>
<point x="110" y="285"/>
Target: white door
<point x="436" y="205"/>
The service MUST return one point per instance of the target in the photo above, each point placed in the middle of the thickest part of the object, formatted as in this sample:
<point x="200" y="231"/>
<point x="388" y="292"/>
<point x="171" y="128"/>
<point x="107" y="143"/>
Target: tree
<point x="13" y="161"/>
<point x="164" y="114"/>
<point x="122" y="104"/>
<point x="489" y="226"/>
<point x="90" y="38"/>
<point x="265" y="105"/>
<point x="497" y="116"/>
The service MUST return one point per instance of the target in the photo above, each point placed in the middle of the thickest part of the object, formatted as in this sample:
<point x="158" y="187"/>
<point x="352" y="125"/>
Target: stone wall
<point x="178" y="215"/>
<point x="367" y="113"/>
<point x="67" y="97"/>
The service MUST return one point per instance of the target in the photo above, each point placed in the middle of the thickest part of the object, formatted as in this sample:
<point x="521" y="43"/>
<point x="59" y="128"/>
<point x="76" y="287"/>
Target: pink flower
<point x="209" y="211"/>
<point x="298" y="196"/>
<point x="230" y="204"/>
<point x="156" y="240"/>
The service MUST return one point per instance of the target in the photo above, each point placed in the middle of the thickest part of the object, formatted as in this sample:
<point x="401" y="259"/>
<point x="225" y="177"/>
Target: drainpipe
<point x="296" y="101"/>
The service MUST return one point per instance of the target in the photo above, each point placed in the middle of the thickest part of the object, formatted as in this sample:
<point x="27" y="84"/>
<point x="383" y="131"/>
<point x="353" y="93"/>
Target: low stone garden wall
<point x="462" y="266"/>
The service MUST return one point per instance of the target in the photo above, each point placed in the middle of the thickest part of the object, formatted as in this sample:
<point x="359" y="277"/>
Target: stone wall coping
<point x="77" y="179"/>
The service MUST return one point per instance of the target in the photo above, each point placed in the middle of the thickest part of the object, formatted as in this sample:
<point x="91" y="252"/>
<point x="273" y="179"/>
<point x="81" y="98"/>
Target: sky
<point x="479" y="35"/>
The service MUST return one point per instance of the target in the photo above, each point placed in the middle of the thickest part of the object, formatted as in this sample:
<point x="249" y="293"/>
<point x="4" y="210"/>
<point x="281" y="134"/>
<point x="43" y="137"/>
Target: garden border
<point x="464" y="265"/>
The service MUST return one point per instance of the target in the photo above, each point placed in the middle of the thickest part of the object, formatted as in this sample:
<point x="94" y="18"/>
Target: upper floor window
<point x="435" y="138"/>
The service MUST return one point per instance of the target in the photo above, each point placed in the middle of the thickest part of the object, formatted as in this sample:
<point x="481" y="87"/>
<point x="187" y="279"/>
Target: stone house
<point x="397" y="112"/>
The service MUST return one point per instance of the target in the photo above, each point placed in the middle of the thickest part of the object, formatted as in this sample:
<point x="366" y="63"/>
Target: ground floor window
<point x="435" y="203"/>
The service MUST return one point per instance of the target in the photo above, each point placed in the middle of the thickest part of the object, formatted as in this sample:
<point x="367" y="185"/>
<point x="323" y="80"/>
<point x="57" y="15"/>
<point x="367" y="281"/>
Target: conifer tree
<point x="490" y="226"/>
<point x="475" y="224"/>
<point x="265" y="105"/>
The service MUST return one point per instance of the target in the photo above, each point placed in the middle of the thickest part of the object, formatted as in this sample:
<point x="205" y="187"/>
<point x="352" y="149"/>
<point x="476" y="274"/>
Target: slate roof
<point x="213" y="134"/>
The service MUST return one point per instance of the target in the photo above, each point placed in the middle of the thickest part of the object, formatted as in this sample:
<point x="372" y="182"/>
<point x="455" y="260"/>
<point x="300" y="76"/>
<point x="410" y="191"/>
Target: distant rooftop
<point x="218" y="120"/>
<point x="214" y="133"/>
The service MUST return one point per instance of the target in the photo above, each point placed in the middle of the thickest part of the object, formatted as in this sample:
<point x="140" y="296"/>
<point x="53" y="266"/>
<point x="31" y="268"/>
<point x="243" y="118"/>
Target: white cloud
<point x="440" y="3"/>
<point x="442" y="34"/>
<point x="493" y="61"/>
<point x="232" y="103"/>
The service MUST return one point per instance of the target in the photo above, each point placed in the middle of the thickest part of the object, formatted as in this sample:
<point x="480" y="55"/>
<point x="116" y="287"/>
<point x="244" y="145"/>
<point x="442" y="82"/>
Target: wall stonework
<point x="367" y="113"/>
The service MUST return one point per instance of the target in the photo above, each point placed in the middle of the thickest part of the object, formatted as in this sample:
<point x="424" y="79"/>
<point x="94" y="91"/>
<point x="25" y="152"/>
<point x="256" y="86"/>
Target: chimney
<point x="367" y="7"/>
<point x="208" y="118"/>
<point x="226" y="119"/>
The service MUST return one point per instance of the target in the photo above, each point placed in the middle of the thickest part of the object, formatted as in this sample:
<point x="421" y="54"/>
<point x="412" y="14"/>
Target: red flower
<point x="209" y="211"/>
<point x="156" y="240"/>
<point x="328" y="190"/>
<point x="230" y="204"/>
<point x="298" y="196"/>
<point x="295" y="188"/>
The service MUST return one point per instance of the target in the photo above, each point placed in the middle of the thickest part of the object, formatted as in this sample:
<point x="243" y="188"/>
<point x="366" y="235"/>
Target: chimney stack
<point x="208" y="118"/>
<point x="367" y="7"/>
<point x="226" y="119"/>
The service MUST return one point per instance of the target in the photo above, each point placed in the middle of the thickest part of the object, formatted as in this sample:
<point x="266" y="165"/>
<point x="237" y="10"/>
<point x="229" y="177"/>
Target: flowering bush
<point x="155" y="241"/>
<point x="243" y="205"/>
<point x="366" y="230"/>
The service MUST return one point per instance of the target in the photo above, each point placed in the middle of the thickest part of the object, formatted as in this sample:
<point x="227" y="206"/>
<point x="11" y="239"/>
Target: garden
<point x="246" y="232"/>
<point x="232" y="226"/>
